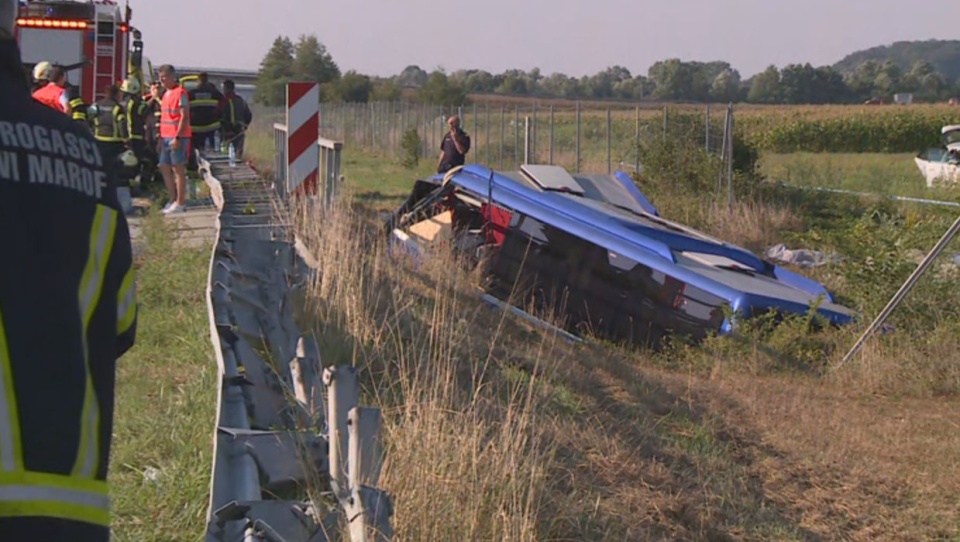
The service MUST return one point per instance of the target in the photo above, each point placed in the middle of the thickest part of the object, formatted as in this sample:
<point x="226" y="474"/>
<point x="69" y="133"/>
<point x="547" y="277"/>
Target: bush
<point x="684" y="164"/>
<point x="410" y="145"/>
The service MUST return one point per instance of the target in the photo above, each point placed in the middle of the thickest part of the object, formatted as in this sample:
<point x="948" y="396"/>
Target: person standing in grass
<point x="175" y="135"/>
<point x="454" y="147"/>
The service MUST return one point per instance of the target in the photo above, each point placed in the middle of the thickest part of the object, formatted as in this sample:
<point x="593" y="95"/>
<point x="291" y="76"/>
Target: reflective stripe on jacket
<point x="78" y="109"/>
<point x="205" y="108"/>
<point x="67" y="311"/>
<point x="110" y="124"/>
<point x="136" y="112"/>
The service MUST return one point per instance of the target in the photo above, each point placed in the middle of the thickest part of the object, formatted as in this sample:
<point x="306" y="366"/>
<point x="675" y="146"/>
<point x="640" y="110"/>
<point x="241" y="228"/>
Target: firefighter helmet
<point x="42" y="71"/>
<point x="127" y="159"/>
<point x="130" y="86"/>
<point x="8" y="15"/>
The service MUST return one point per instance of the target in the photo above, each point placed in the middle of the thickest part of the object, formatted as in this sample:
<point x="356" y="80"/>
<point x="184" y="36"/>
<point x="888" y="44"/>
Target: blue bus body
<point x="594" y="246"/>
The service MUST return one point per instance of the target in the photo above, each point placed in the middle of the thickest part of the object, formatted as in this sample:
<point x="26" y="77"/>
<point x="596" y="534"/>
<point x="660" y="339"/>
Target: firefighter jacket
<point x="205" y="108"/>
<point x="137" y="113"/>
<point x="78" y="109"/>
<point x="236" y="115"/>
<point x="152" y="126"/>
<point x="110" y="124"/>
<point x="67" y="312"/>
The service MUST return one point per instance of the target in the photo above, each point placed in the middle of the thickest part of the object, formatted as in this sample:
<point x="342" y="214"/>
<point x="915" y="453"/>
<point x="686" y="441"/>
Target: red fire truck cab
<point x="90" y="38"/>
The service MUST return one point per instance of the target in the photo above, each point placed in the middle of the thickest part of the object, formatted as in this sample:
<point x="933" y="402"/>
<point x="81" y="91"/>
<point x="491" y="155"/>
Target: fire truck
<point x="91" y="39"/>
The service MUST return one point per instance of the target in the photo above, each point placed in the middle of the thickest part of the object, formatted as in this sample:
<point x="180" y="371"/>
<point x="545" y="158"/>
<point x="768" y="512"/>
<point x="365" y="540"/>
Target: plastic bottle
<point x="233" y="156"/>
<point x="216" y="141"/>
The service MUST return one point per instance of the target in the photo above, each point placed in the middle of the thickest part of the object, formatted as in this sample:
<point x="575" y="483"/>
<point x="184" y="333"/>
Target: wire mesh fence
<point x="505" y="136"/>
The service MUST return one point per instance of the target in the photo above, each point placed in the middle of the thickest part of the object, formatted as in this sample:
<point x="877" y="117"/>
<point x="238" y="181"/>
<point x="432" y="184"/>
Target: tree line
<point x="666" y="80"/>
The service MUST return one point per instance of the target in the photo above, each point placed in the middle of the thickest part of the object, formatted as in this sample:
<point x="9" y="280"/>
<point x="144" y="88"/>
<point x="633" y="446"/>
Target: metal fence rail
<point x="280" y="446"/>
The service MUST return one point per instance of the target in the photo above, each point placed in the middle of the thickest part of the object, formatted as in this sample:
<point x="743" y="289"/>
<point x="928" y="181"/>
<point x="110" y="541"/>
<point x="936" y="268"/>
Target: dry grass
<point x="496" y="431"/>
<point x="464" y="447"/>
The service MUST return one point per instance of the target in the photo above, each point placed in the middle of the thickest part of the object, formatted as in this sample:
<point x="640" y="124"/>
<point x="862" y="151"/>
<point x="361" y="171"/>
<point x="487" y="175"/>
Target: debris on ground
<point x="801" y="257"/>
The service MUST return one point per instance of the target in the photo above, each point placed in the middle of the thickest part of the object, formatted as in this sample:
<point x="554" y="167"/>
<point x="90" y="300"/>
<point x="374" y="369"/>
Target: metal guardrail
<point x="276" y="435"/>
<point x="330" y="152"/>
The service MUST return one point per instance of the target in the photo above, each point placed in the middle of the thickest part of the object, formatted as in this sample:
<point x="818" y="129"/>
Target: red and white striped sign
<point x="303" y="129"/>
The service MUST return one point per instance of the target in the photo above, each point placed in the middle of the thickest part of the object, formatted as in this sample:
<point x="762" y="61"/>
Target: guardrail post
<point x="280" y="159"/>
<point x="342" y="396"/>
<point x="330" y="168"/>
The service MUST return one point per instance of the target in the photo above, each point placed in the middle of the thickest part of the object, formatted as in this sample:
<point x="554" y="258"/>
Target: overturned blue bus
<point x="595" y="252"/>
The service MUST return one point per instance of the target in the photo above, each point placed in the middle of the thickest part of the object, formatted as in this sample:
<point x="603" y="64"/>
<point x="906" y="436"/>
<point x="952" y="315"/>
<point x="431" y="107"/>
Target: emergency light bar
<point x="52" y="23"/>
<point x="61" y="23"/>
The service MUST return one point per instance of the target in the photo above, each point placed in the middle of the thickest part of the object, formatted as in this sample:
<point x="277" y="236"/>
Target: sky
<point x="576" y="37"/>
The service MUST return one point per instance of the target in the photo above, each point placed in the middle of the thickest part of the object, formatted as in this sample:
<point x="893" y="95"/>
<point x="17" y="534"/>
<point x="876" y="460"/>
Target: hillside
<point x="944" y="55"/>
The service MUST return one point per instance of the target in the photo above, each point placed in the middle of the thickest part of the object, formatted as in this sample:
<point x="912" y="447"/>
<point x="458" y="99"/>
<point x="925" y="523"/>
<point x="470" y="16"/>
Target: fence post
<point x="502" y="115"/>
<point x="551" y="134"/>
<point x="707" y="137"/>
<point x="609" y="144"/>
<point x="516" y="133"/>
<point x="533" y="135"/>
<point x="486" y="139"/>
<point x="730" y="163"/>
<point x="636" y="144"/>
<point x="665" y="120"/>
<point x="526" y="139"/>
<point x="723" y="149"/>
<point x="578" y="137"/>
<point x="435" y="111"/>
<point x="476" y="126"/>
<point x="421" y="132"/>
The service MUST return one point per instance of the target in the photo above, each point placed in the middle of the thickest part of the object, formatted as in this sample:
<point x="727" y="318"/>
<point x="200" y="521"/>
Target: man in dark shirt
<point x="454" y="147"/>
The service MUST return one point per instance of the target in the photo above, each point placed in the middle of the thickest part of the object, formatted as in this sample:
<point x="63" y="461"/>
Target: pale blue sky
<point x="577" y="37"/>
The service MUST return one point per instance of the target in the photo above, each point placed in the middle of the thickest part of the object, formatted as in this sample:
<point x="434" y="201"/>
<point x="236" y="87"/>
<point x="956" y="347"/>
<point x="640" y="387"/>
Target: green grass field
<point x="876" y="173"/>
<point x="166" y="399"/>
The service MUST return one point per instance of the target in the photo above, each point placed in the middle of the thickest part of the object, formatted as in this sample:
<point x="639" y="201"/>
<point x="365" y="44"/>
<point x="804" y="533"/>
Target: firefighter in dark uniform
<point x="136" y="111"/>
<point x="235" y="118"/>
<point x="152" y="133"/>
<point x="78" y="109"/>
<point x="67" y="311"/>
<point x="110" y="130"/>
<point x="205" y="103"/>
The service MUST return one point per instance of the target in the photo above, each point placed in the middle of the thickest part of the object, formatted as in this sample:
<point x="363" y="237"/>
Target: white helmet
<point x="127" y="159"/>
<point x="8" y="17"/>
<point x="41" y="70"/>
